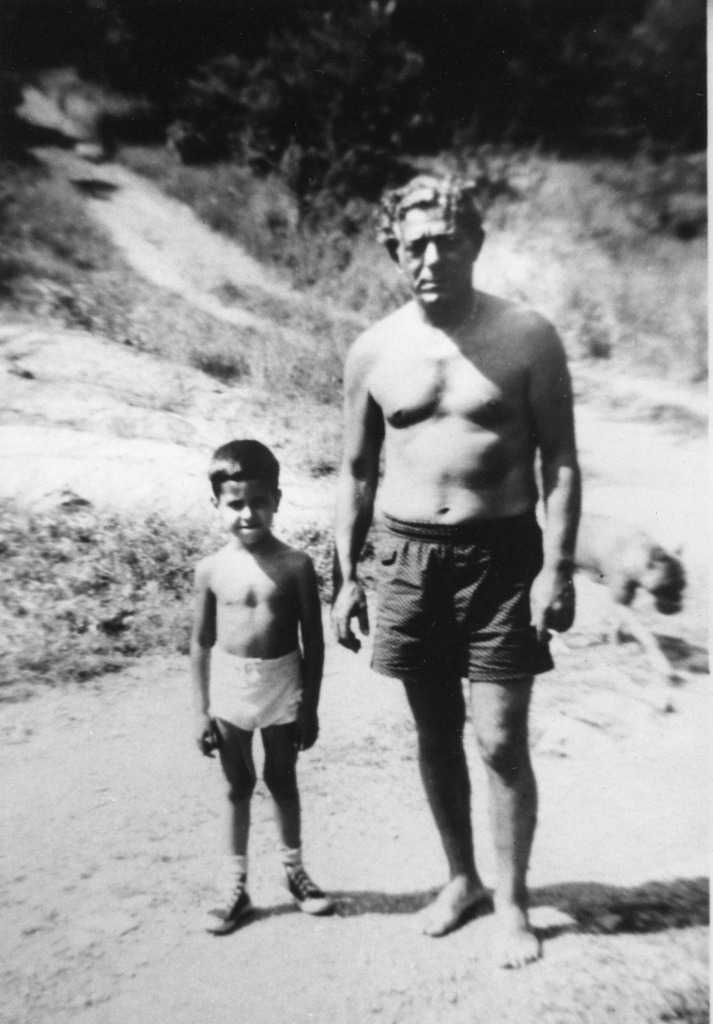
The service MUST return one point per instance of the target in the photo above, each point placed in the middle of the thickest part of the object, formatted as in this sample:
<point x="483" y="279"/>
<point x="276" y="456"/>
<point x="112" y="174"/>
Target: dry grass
<point x="330" y="254"/>
<point x="620" y="295"/>
<point x="616" y="290"/>
<point x="575" y="245"/>
<point x="84" y="592"/>
<point x="61" y="269"/>
<point x="594" y="246"/>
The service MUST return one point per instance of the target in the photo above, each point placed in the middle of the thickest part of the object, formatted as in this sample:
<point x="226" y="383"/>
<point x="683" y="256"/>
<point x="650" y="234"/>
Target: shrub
<point x="336" y="129"/>
<point x="223" y="362"/>
<point x="666" y="196"/>
<point x="84" y="592"/>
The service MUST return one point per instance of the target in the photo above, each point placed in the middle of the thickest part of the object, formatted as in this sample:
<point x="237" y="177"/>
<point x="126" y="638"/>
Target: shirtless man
<point x="462" y="390"/>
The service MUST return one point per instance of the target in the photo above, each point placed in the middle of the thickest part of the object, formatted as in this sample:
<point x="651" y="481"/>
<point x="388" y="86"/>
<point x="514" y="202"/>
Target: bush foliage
<point x="83" y="591"/>
<point x="332" y="92"/>
<point x="328" y="106"/>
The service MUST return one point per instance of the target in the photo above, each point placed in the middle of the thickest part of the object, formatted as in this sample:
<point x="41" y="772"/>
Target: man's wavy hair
<point x="453" y="197"/>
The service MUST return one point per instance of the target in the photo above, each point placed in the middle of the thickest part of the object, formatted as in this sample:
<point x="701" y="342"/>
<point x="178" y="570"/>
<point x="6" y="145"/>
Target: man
<point x="462" y="390"/>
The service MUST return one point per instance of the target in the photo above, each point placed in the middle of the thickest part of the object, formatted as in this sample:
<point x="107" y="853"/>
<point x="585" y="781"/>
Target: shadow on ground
<point x="593" y="908"/>
<point x="21" y="137"/>
<point x="682" y="655"/>
<point x="606" y="909"/>
<point x="95" y="188"/>
<point x="354" y="903"/>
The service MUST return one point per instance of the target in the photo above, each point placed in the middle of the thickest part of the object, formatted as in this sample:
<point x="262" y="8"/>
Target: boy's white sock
<point x="291" y="858"/>
<point x="236" y="865"/>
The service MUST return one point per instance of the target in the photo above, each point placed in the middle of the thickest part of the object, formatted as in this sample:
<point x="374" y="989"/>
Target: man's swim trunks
<point x="456" y="600"/>
<point x="252" y="693"/>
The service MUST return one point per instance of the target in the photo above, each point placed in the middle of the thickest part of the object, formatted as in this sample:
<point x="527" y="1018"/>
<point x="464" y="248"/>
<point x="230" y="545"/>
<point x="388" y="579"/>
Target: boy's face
<point x="247" y="508"/>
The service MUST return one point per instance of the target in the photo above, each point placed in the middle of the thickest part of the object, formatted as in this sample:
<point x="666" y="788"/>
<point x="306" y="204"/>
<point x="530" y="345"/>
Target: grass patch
<point x="620" y="293"/>
<point x="330" y="254"/>
<point x="622" y="289"/>
<point x="84" y="592"/>
<point x="64" y="271"/>
<point x="49" y="243"/>
<point x="613" y="252"/>
<point x="690" y="1005"/>
<point x="58" y="268"/>
<point x="224" y="364"/>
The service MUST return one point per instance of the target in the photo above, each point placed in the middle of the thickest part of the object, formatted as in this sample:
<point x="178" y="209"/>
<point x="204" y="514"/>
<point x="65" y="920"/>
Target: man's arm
<point x="202" y="640"/>
<point x="312" y="636"/>
<point x="552" y="406"/>
<point x="356" y="493"/>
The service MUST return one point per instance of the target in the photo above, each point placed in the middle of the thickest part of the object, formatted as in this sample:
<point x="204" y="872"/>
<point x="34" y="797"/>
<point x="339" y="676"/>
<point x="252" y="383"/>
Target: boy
<point x="255" y="599"/>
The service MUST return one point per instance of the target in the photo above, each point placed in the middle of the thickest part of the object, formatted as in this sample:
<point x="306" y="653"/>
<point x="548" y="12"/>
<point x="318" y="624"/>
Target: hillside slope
<point x="113" y="816"/>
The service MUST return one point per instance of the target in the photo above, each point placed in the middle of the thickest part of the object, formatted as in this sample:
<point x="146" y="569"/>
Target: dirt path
<point x="124" y="429"/>
<point x="113" y="817"/>
<point x="162" y="239"/>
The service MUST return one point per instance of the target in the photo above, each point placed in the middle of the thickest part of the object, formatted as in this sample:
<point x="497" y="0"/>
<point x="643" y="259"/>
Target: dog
<point x="626" y="559"/>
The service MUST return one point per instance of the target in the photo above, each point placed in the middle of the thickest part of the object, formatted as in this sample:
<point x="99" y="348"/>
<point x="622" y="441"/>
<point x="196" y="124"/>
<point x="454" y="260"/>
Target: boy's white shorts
<point x="252" y="693"/>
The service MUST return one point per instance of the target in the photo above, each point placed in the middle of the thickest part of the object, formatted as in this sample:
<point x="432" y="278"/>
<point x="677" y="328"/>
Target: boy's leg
<point x="281" y="748"/>
<point x="239" y="769"/>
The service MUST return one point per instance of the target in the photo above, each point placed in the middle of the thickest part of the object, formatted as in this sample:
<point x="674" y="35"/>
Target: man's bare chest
<point x="413" y="387"/>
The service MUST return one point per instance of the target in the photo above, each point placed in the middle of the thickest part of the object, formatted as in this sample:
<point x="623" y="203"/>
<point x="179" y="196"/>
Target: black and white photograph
<point x="355" y="512"/>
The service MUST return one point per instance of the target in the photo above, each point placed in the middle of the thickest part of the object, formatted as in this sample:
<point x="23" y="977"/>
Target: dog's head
<point x="665" y="579"/>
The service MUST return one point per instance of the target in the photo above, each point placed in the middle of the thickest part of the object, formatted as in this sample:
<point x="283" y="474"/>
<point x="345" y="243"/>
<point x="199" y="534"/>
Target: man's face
<point x="436" y="257"/>
<point x="247" y="508"/>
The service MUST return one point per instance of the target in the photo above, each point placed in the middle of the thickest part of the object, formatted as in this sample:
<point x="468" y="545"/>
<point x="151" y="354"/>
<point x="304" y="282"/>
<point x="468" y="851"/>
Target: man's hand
<point x="350" y="603"/>
<point x="207" y="735"/>
<point x="553" y="602"/>
<point x="307" y="728"/>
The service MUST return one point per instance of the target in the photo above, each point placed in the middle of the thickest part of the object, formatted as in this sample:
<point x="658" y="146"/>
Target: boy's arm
<point x="202" y="640"/>
<point x="312" y="636"/>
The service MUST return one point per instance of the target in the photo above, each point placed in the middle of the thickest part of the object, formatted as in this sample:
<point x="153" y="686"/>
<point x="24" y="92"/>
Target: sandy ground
<point x="112" y="818"/>
<point x="113" y="821"/>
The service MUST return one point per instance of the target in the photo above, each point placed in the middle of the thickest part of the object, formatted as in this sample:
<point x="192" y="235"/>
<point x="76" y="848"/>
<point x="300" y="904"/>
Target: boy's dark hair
<point x="243" y="460"/>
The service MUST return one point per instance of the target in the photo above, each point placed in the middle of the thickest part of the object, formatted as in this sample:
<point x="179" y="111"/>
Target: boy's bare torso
<point x="459" y="436"/>
<point x="256" y="599"/>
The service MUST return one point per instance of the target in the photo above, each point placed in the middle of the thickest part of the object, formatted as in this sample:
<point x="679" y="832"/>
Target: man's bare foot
<point x="515" y="942"/>
<point x="461" y="895"/>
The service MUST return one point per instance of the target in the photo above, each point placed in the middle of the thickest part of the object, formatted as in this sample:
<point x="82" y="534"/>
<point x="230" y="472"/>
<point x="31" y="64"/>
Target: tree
<point x="667" y="72"/>
<point x="330" y="101"/>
